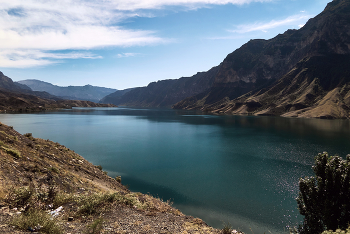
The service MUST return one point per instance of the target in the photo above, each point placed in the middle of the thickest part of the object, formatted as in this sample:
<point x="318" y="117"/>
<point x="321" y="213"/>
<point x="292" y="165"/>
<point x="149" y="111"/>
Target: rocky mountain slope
<point x="48" y="188"/>
<point x="301" y="73"/>
<point x="16" y="97"/>
<point x="87" y="92"/>
<point x="164" y="93"/>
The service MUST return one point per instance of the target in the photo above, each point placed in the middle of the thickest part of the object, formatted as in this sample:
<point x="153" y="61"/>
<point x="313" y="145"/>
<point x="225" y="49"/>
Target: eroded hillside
<point x="40" y="176"/>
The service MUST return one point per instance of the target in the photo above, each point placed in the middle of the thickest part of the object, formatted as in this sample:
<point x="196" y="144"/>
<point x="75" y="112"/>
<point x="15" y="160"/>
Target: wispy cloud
<point x="30" y="58"/>
<point x="125" y="55"/>
<point x="292" y="20"/>
<point x="52" y="25"/>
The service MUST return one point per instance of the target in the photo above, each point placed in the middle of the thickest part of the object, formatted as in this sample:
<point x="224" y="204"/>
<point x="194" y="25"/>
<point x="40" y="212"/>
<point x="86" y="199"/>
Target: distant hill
<point x="164" y="93"/>
<point x="301" y="73"/>
<point x="87" y="92"/>
<point x="16" y="97"/>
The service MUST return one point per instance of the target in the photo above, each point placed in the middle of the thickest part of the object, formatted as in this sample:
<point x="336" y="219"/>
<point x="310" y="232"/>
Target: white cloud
<point x="292" y="20"/>
<point x="154" y="4"/>
<point x="29" y="58"/>
<point x="51" y="25"/>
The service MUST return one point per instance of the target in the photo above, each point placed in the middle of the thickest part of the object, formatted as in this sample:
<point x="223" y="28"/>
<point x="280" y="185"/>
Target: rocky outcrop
<point x="305" y="64"/>
<point x="164" y="93"/>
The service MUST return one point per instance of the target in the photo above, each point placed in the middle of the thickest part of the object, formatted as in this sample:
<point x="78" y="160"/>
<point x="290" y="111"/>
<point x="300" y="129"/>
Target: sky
<point x="129" y="43"/>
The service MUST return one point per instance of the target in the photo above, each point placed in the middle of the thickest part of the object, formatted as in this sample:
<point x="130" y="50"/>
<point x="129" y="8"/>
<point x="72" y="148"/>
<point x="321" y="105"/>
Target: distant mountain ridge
<point x="163" y="93"/>
<point x="301" y="73"/>
<point x="15" y="97"/>
<point x="87" y="92"/>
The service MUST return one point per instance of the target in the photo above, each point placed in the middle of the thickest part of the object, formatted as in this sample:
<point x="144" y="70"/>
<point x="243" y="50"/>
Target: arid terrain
<point x="48" y="188"/>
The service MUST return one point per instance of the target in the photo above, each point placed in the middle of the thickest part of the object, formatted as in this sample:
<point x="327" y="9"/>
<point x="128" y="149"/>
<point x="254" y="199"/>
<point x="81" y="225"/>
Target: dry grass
<point x="37" y="220"/>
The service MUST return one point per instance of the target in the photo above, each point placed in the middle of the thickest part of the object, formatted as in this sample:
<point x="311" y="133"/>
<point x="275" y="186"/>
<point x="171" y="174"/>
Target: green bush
<point x="324" y="200"/>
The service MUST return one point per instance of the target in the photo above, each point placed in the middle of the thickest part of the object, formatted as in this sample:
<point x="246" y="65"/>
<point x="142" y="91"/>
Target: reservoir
<point x="241" y="170"/>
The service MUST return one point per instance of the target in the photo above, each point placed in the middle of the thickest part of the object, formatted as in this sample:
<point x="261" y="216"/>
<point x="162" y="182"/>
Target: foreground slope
<point x="84" y="191"/>
<point x="310" y="65"/>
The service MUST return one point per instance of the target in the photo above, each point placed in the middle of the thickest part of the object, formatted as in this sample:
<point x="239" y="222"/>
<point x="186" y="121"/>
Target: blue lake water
<point x="241" y="170"/>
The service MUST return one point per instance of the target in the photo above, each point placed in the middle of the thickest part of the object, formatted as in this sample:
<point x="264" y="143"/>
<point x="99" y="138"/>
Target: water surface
<point x="241" y="170"/>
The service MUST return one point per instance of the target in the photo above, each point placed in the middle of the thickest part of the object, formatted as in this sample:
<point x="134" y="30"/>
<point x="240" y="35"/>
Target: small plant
<point x="15" y="153"/>
<point x="20" y="197"/>
<point x="96" y="203"/>
<point x="63" y="198"/>
<point x="99" y="167"/>
<point x="28" y="135"/>
<point x="54" y="169"/>
<point x="95" y="227"/>
<point x="118" y="179"/>
<point x="227" y="229"/>
<point x="2" y="144"/>
<point x="37" y="220"/>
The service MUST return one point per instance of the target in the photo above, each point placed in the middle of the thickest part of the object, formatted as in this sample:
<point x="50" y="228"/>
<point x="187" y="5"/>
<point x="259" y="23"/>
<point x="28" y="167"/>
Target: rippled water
<point x="241" y="170"/>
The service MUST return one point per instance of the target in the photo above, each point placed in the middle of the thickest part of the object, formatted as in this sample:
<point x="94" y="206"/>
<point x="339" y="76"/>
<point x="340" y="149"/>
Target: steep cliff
<point x="320" y="48"/>
<point x="164" y="93"/>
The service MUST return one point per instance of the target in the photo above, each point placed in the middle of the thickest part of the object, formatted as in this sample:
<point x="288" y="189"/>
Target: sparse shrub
<point x="28" y="135"/>
<point x="227" y="229"/>
<point x="95" y="227"/>
<point x="324" y="200"/>
<point x="99" y="167"/>
<point x="54" y="169"/>
<point x="63" y="198"/>
<point x="15" y="153"/>
<point x="96" y="203"/>
<point x="118" y="179"/>
<point x="19" y="197"/>
<point x="3" y="144"/>
<point x="89" y="204"/>
<point x="37" y="219"/>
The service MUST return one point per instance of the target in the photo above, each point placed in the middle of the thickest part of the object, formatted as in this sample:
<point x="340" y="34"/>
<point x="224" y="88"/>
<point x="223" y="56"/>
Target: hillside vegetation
<point x="49" y="188"/>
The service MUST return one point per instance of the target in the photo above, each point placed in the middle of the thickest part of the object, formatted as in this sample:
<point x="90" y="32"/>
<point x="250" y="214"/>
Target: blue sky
<point x="130" y="43"/>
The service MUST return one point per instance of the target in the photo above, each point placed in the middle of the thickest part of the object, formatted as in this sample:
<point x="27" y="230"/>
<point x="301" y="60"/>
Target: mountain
<point x="115" y="97"/>
<point x="87" y="92"/>
<point x="16" y="97"/>
<point x="164" y="93"/>
<point x="300" y="73"/>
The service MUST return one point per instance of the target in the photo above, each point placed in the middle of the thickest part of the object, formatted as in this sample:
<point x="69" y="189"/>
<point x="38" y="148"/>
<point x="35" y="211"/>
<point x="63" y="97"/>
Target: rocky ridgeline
<point x="300" y="73"/>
